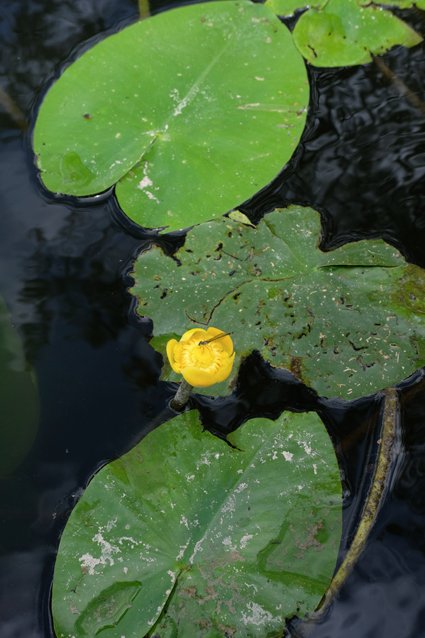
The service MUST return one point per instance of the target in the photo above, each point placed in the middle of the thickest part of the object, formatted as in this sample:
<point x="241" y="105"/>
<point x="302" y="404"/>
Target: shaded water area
<point x="64" y="276"/>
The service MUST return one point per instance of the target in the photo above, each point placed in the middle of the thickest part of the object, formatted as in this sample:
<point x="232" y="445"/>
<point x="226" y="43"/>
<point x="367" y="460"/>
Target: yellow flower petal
<point x="171" y="346"/>
<point x="198" y="378"/>
<point x="225" y="342"/>
<point x="190" y="334"/>
<point x="213" y="332"/>
<point x="225" y="370"/>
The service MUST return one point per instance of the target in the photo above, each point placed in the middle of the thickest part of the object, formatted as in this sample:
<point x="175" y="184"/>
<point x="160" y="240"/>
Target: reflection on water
<point x="19" y="409"/>
<point x="64" y="275"/>
<point x="39" y="34"/>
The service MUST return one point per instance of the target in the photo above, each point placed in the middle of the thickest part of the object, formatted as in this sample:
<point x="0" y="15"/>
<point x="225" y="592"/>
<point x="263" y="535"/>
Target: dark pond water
<point x="63" y="275"/>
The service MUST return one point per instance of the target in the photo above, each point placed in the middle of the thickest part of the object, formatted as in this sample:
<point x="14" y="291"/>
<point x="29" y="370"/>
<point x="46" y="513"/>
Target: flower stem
<point x="402" y="88"/>
<point x="182" y="396"/>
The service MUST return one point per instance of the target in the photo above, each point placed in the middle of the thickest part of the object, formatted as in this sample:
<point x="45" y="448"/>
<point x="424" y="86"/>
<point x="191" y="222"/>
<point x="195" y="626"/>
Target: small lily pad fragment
<point x="189" y="113"/>
<point x="238" y="216"/>
<point x="19" y="406"/>
<point x="344" y="33"/>
<point x="187" y="536"/>
<point x="346" y="322"/>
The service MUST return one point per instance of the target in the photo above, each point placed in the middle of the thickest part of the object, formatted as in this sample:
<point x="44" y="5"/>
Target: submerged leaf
<point x="19" y="406"/>
<point x="193" y="537"/>
<point x="343" y="33"/>
<point x="171" y="107"/>
<point x="347" y="322"/>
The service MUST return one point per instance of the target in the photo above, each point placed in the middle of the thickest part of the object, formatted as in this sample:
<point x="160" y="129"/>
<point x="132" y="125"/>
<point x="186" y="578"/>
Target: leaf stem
<point x="13" y="110"/>
<point x="144" y="9"/>
<point x="182" y="396"/>
<point x="402" y="88"/>
<point x="388" y="454"/>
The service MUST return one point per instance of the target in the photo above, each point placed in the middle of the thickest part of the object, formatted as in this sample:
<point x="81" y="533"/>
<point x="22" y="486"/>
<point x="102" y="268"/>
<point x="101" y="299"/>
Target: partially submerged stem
<point x="182" y="396"/>
<point x="402" y="88"/>
<point x="13" y="110"/>
<point x="386" y="456"/>
<point x="144" y="9"/>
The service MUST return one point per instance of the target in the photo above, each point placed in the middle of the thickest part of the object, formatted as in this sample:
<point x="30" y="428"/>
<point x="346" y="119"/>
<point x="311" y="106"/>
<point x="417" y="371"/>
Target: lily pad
<point x="186" y="536"/>
<point x="19" y="408"/>
<point x="347" y="322"/>
<point x="189" y="113"/>
<point x="343" y="33"/>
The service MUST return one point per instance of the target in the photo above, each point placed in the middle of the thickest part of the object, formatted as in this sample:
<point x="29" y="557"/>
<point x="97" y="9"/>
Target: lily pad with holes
<point x="188" y="113"/>
<point x="347" y="322"/>
<point x="19" y="407"/>
<point x="343" y="33"/>
<point x="187" y="536"/>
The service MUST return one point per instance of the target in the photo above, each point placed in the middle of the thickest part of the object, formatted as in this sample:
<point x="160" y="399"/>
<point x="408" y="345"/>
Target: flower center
<point x="202" y="355"/>
<point x="208" y="356"/>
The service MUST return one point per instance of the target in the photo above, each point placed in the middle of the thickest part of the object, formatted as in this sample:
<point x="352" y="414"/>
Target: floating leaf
<point x="18" y="398"/>
<point x="344" y="34"/>
<point x="189" y="112"/>
<point x="347" y="322"/>
<point x="196" y="538"/>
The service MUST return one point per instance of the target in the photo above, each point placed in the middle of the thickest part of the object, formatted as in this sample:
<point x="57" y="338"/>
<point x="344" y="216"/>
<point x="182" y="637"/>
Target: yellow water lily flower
<point x="202" y="357"/>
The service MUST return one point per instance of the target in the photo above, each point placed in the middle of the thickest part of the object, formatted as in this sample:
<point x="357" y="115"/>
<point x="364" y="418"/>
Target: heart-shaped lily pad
<point x="189" y="112"/>
<point x="186" y="536"/>
<point x="347" y="322"/>
<point x="343" y="33"/>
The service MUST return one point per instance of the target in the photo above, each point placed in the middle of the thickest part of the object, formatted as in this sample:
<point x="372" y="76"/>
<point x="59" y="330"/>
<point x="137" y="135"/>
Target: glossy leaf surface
<point x="189" y="112"/>
<point x="19" y="407"/>
<point x="343" y="33"/>
<point x="347" y="322"/>
<point x="186" y="536"/>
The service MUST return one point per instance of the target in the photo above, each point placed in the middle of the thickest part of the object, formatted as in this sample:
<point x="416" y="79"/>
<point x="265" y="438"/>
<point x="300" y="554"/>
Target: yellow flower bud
<point x="202" y="357"/>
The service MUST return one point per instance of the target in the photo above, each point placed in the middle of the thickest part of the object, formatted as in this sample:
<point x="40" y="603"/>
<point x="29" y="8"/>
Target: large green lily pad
<point x="347" y="322"/>
<point x="186" y="536"/>
<point x="189" y="112"/>
<point x="343" y="33"/>
<point x="19" y="407"/>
